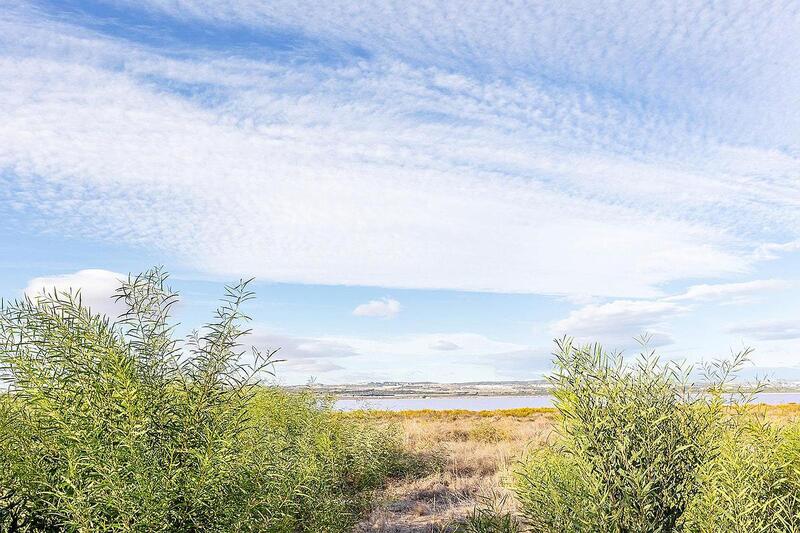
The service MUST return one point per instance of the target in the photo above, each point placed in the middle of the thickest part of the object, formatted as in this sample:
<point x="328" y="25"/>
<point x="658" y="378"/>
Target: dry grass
<point x="788" y="412"/>
<point x="472" y="453"/>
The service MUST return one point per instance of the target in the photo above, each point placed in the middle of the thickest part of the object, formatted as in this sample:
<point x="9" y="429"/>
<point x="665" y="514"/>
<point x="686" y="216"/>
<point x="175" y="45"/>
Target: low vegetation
<point x="464" y="486"/>
<point x="631" y="446"/>
<point x="118" y="426"/>
<point x="477" y="485"/>
<point x="639" y="451"/>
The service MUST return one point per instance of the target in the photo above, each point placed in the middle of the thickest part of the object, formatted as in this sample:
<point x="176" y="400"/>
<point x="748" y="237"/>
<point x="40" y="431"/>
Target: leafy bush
<point x="753" y="483"/>
<point x="643" y="450"/>
<point x="117" y="426"/>
<point x="557" y="492"/>
<point x="489" y="516"/>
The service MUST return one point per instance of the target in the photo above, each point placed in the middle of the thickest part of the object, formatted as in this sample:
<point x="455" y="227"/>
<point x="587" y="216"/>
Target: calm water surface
<point x="480" y="403"/>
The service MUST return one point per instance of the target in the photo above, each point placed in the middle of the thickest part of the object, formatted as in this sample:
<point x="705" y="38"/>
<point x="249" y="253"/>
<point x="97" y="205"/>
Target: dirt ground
<point x="475" y="456"/>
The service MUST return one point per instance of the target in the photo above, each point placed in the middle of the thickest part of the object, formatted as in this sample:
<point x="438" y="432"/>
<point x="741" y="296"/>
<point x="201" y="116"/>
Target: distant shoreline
<point x="399" y="390"/>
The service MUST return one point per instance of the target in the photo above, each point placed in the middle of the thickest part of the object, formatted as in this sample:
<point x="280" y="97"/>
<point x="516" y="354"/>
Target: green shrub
<point x="557" y="492"/>
<point x="753" y="483"/>
<point x="116" y="426"/>
<point x="635" y="442"/>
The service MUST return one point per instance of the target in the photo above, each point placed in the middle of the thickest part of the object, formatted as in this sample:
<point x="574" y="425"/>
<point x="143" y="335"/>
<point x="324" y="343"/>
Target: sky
<point x="423" y="191"/>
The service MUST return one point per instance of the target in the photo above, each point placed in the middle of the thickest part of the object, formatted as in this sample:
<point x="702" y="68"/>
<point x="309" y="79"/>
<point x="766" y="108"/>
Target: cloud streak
<point x="408" y="164"/>
<point x="731" y="291"/>
<point x="433" y="357"/>
<point x="620" y="321"/>
<point x="770" y="330"/>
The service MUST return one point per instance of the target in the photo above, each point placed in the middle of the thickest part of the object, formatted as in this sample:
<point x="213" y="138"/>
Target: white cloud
<point x="292" y="347"/>
<point x="691" y="57"/>
<point x="769" y="330"/>
<point x="300" y="358"/>
<point x="311" y="367"/>
<point x="443" y="345"/>
<point x="416" y="357"/>
<point x="736" y="291"/>
<point x="620" y="321"/>
<point x="383" y="308"/>
<point x="414" y="165"/>
<point x="96" y="286"/>
<point x="428" y="345"/>
<point x="410" y="357"/>
<point x="773" y="250"/>
<point x="428" y="154"/>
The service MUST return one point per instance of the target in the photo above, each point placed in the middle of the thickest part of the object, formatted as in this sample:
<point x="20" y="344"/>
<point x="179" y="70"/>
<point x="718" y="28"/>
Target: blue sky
<point x="423" y="190"/>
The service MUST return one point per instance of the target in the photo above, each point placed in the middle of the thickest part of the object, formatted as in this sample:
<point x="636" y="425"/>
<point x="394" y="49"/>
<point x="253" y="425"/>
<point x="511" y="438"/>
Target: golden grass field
<point x="476" y="452"/>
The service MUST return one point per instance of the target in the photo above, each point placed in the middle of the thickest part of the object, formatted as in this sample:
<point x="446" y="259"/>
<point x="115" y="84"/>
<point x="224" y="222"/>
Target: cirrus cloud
<point x="370" y="168"/>
<point x="736" y="291"/>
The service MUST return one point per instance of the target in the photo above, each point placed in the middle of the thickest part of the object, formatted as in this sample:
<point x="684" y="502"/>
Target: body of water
<point x="488" y="403"/>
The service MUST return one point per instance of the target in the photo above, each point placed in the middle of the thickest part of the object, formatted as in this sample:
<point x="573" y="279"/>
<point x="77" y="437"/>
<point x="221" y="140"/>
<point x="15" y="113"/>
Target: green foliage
<point x="557" y="491"/>
<point x="489" y="516"/>
<point x="642" y="451"/>
<point x="120" y="427"/>
<point x="753" y="484"/>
